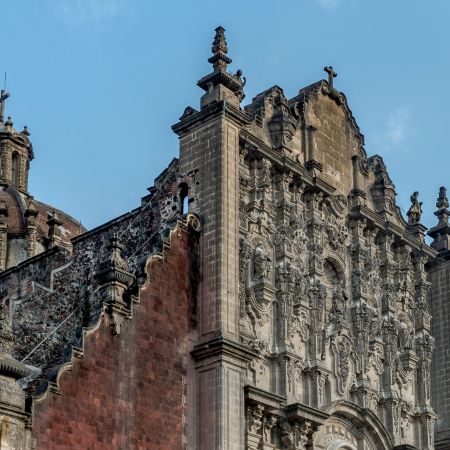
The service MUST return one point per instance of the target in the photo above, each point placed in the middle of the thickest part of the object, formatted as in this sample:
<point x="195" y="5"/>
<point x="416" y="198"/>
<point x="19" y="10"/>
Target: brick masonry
<point x="128" y="392"/>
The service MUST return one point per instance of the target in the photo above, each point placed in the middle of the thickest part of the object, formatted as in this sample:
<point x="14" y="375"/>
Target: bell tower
<point x="16" y="151"/>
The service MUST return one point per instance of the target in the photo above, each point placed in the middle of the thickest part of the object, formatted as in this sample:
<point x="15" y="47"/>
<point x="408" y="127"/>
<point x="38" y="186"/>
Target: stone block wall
<point x="440" y="308"/>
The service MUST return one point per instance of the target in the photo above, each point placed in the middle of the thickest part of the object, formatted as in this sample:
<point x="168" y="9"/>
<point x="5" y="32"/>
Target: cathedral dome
<point x="27" y="226"/>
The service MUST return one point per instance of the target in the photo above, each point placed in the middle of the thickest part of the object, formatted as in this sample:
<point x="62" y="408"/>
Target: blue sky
<point x="100" y="82"/>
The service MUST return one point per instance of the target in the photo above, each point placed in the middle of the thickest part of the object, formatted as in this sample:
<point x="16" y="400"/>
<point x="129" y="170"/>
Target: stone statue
<point x="405" y="341"/>
<point x="415" y="210"/>
<point x="262" y="264"/>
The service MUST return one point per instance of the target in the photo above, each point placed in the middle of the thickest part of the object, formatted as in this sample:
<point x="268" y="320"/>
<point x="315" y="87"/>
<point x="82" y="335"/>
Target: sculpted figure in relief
<point x="262" y="264"/>
<point x="405" y="340"/>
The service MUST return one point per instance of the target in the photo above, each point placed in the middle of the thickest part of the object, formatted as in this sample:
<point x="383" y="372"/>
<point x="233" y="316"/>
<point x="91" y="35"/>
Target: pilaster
<point x="209" y="147"/>
<point x="3" y="235"/>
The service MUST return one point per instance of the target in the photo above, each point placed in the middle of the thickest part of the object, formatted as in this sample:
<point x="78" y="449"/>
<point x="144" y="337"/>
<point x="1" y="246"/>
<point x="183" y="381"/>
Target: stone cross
<point x="3" y="96"/>
<point x="331" y="74"/>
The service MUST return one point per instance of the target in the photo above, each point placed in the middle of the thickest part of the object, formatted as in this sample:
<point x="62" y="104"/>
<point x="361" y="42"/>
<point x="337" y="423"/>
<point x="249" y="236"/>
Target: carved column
<point x="311" y="163"/>
<point x="317" y="296"/>
<point x="357" y="191"/>
<point x="30" y="217"/>
<point x="388" y="303"/>
<point x="315" y="234"/>
<point x="3" y="235"/>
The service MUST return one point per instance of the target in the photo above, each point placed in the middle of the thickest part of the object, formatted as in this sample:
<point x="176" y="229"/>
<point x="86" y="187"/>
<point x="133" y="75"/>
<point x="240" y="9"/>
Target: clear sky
<point x="100" y="82"/>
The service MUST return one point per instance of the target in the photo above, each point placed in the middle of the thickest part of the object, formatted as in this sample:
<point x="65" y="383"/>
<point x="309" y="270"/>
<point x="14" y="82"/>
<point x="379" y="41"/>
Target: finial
<point x="25" y="131"/>
<point x="442" y="212"/>
<point x="331" y="75"/>
<point x="31" y="210"/>
<point x="415" y="211"/>
<point x="115" y="277"/>
<point x="9" y="122"/>
<point x="219" y="60"/>
<point x="3" y="96"/>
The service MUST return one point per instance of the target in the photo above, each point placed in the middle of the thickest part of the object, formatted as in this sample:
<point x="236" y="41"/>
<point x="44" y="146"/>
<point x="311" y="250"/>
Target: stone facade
<point x="266" y="295"/>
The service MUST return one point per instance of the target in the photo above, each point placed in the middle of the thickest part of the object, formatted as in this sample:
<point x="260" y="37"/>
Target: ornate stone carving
<point x="282" y="126"/>
<point x="262" y="263"/>
<point x="343" y="351"/>
<point x="254" y="415"/>
<point x="338" y="307"/>
<point x="317" y="295"/>
<point x="415" y="210"/>
<point x="405" y="337"/>
<point x="115" y="277"/>
<point x="295" y="436"/>
<point x="294" y="372"/>
<point x="254" y="418"/>
<point x="336" y="232"/>
<point x="269" y="422"/>
<point x="442" y="204"/>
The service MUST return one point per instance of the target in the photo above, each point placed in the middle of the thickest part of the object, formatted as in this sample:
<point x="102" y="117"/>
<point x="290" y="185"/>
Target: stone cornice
<point x="363" y="212"/>
<point x="273" y="401"/>
<point x="211" y="112"/>
<point x="218" y="347"/>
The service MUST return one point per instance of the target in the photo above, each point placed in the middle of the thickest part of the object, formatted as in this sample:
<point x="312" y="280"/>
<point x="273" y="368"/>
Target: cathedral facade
<point x="267" y="294"/>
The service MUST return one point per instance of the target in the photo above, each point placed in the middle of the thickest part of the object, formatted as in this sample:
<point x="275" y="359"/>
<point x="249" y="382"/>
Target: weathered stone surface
<point x="291" y="311"/>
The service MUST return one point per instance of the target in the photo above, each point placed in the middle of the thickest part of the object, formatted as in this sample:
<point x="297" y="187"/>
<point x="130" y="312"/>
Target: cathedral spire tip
<point x="219" y="60"/>
<point x="442" y="205"/>
<point x="3" y="96"/>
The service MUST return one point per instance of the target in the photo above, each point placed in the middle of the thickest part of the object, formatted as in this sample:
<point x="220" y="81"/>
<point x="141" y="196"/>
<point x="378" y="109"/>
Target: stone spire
<point x="441" y="232"/>
<point x="442" y="212"/>
<point x="3" y="96"/>
<point x="219" y="60"/>
<point x="220" y="85"/>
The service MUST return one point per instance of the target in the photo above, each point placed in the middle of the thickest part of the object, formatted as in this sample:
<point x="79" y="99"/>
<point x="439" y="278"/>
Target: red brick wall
<point x="127" y="391"/>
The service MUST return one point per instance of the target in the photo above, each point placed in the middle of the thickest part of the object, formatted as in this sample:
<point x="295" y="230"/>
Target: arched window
<point x="15" y="169"/>
<point x="184" y="198"/>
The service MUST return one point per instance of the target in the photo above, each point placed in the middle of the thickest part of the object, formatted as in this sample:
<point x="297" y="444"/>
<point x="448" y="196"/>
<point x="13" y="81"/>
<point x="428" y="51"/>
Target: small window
<point x="15" y="169"/>
<point x="184" y="198"/>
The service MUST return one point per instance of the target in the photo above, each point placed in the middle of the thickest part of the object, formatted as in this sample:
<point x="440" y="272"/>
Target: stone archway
<point x="340" y="445"/>
<point x="350" y="428"/>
